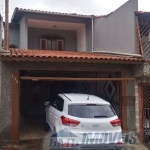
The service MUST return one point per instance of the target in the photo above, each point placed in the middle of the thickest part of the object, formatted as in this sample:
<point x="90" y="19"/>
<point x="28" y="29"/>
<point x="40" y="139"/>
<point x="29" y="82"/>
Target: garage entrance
<point x="37" y="87"/>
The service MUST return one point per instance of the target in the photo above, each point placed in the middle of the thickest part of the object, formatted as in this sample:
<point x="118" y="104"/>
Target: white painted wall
<point x="23" y="33"/>
<point x="81" y="39"/>
<point x="116" y="32"/>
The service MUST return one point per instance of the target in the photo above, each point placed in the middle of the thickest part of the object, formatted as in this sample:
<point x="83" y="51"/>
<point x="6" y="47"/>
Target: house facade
<point x="53" y="53"/>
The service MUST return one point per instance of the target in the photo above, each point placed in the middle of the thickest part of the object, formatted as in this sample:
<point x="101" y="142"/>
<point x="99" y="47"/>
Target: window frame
<point x="114" y="113"/>
<point x="55" y="103"/>
<point x="47" y="38"/>
<point x="41" y="39"/>
<point x="62" y="44"/>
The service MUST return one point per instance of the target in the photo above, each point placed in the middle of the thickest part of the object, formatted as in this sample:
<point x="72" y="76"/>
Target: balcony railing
<point x="143" y="26"/>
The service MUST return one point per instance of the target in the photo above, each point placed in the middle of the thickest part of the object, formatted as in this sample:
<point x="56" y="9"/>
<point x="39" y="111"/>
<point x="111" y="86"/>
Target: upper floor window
<point x="51" y="43"/>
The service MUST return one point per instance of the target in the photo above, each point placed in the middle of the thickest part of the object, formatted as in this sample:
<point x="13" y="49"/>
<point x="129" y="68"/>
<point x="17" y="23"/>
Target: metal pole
<point x="92" y="33"/>
<point x="0" y="32"/>
<point x="6" y="24"/>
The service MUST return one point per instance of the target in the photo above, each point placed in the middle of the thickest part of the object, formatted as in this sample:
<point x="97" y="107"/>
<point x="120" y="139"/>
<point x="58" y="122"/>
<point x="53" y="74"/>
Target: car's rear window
<point x="91" y="111"/>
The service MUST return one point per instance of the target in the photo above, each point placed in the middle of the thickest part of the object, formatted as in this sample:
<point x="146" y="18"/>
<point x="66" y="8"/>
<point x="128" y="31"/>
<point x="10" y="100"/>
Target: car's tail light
<point x="119" y="144"/>
<point x="69" y="122"/>
<point x="116" y="122"/>
<point x="68" y="145"/>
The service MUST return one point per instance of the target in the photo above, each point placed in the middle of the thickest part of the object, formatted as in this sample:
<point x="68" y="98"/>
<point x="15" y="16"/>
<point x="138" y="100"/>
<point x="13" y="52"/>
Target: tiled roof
<point x="20" y="12"/>
<point x="48" y="55"/>
<point x="50" y="12"/>
<point x="60" y="13"/>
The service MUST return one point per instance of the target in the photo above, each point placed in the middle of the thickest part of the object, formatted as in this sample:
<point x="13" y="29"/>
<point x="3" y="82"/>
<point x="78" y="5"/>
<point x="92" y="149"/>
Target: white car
<point x="81" y="119"/>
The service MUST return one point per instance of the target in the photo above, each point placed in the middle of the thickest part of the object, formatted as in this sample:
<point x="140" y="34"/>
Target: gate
<point x="146" y="115"/>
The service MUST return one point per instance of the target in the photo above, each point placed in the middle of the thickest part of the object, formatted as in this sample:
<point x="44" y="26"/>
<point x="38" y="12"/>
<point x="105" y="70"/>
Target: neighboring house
<point x="58" y="52"/>
<point x="142" y="72"/>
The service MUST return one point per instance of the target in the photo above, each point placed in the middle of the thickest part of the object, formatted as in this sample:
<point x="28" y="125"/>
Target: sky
<point x="87" y="7"/>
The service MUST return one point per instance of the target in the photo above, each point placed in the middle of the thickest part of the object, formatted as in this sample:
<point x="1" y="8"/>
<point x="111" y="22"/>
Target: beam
<point x="74" y="79"/>
<point x="124" y="103"/>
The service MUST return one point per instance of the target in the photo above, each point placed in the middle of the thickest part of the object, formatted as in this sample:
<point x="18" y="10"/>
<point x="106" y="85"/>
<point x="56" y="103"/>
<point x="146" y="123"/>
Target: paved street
<point x="38" y="145"/>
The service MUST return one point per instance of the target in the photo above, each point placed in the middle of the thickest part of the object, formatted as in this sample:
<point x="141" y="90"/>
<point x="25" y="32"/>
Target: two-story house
<point x="53" y="53"/>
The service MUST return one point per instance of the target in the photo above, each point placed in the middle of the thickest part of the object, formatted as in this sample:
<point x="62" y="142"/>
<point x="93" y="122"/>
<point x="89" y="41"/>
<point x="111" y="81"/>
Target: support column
<point x="123" y="103"/>
<point x="139" y="112"/>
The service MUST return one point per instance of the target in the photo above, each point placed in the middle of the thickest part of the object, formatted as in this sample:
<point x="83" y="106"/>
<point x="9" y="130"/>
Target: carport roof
<point x="66" y="56"/>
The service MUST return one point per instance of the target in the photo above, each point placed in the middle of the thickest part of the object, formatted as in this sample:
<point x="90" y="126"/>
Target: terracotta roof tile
<point x="60" y="13"/>
<point x="51" y="12"/>
<point x="48" y="54"/>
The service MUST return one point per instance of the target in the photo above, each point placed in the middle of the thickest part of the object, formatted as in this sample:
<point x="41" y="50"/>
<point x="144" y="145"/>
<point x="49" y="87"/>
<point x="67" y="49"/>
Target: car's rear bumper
<point x="87" y="147"/>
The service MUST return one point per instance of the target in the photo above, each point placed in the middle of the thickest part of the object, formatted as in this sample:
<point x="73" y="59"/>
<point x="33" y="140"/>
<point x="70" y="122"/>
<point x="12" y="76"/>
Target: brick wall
<point x="5" y="100"/>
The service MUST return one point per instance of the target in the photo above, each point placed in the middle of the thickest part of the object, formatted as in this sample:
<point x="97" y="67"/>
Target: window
<point x="60" y="44"/>
<point x="93" y="111"/>
<point x="43" y="44"/>
<point x="51" y="44"/>
<point x="58" y="103"/>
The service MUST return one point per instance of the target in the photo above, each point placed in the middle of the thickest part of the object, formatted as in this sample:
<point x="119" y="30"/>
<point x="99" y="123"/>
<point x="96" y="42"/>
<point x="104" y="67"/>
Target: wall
<point x="88" y="29"/>
<point x="70" y="37"/>
<point x="142" y="70"/>
<point x="5" y="100"/>
<point x="23" y="33"/>
<point x="116" y="32"/>
<point x="81" y="39"/>
<point x="130" y="93"/>
<point x="14" y="34"/>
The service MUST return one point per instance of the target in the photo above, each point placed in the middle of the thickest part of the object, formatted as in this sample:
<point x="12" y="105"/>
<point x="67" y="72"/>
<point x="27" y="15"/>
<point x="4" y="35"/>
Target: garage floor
<point x="31" y="129"/>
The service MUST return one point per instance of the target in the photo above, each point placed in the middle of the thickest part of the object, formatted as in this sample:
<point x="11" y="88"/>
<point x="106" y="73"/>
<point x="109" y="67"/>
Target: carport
<point x="37" y="66"/>
<point x="39" y="86"/>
